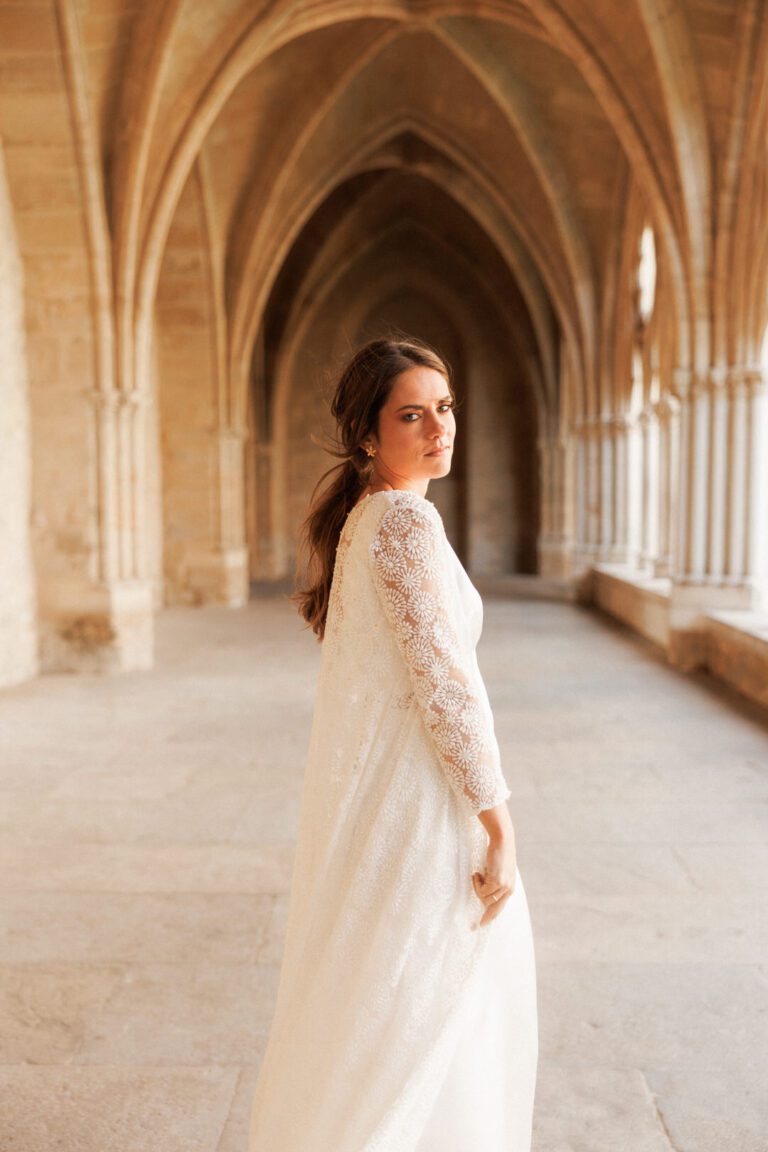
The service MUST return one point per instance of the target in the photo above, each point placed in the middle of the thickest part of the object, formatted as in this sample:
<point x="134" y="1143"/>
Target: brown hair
<point x="361" y="392"/>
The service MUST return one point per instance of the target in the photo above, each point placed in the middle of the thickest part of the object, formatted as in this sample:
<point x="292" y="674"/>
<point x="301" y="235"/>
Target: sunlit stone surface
<point x="147" y="827"/>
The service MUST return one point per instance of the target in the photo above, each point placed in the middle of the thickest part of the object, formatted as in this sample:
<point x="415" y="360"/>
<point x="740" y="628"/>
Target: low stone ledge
<point x="525" y="586"/>
<point x="733" y="643"/>
<point x="642" y="602"/>
<point x="736" y="645"/>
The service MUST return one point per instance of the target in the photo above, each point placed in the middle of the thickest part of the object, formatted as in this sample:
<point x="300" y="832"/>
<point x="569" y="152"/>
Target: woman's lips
<point x="439" y="451"/>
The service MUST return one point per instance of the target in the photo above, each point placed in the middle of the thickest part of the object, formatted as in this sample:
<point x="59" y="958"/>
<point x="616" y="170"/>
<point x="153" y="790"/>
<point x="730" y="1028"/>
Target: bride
<point x="406" y="1016"/>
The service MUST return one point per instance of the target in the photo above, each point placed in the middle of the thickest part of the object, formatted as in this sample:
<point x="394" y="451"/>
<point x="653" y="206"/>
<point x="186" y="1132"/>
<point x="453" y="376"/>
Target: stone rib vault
<point x="205" y="206"/>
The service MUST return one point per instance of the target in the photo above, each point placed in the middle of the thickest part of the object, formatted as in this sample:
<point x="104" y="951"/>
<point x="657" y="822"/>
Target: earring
<point x="369" y="450"/>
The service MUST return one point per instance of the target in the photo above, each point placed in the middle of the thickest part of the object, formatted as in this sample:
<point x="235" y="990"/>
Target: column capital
<point x="667" y="404"/>
<point x="116" y="399"/>
<point x="717" y="377"/>
<point x="682" y="382"/>
<point x="746" y="378"/>
<point x="102" y="399"/>
<point x="622" y="421"/>
<point x="233" y="432"/>
<point x="756" y="381"/>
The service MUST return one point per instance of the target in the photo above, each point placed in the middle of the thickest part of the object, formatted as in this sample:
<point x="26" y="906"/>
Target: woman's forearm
<point x="497" y="822"/>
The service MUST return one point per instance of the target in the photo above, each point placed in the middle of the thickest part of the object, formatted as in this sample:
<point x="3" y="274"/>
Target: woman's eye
<point x="409" y="414"/>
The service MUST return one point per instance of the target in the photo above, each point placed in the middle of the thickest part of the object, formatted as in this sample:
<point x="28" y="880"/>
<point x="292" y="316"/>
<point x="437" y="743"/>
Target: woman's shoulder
<point x="401" y="510"/>
<point x="400" y="498"/>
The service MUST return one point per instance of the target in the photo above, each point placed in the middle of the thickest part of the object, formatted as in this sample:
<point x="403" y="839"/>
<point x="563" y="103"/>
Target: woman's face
<point x="416" y="420"/>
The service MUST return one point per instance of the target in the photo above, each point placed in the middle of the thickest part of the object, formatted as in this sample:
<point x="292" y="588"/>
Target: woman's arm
<point x="410" y="575"/>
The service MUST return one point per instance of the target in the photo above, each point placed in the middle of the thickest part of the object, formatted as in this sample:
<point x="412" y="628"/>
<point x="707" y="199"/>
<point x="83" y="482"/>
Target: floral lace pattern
<point x="410" y="573"/>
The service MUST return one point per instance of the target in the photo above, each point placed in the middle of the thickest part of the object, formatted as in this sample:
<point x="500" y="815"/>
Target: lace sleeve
<point x="410" y="576"/>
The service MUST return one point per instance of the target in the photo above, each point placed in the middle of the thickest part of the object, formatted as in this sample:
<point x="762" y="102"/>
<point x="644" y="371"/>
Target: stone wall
<point x="208" y="222"/>
<point x="18" y="629"/>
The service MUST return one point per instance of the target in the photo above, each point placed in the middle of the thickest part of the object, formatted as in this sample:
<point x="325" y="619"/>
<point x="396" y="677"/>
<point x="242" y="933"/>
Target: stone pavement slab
<point x="147" y="825"/>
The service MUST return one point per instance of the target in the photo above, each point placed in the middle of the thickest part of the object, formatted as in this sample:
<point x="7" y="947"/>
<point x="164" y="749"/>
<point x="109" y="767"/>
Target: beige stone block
<point x="669" y="821"/>
<point x="47" y="189"/>
<point x="116" y="1109"/>
<point x="108" y="928"/>
<point x="29" y="158"/>
<point x="273" y="942"/>
<point x="183" y="317"/>
<point x="739" y="655"/>
<point x="114" y="782"/>
<point x="31" y="769"/>
<point x="51" y="231"/>
<point x="64" y="314"/>
<point x="145" y="868"/>
<point x="106" y="15"/>
<point x="39" y="116"/>
<point x="713" y="1109"/>
<point x="28" y="27"/>
<point x="202" y="575"/>
<point x="29" y="71"/>
<point x="186" y="229"/>
<point x="55" y="274"/>
<point x="596" y="1108"/>
<point x="276" y="774"/>
<point x="569" y="872"/>
<point x="234" y="816"/>
<point x="212" y="1015"/>
<point x="727" y="868"/>
<point x="235" y="1135"/>
<point x="178" y="265"/>
<point x="700" y="928"/>
<point x="18" y="609"/>
<point x="44" y="356"/>
<point x="60" y="363"/>
<point x="45" y="1010"/>
<point x="664" y="1015"/>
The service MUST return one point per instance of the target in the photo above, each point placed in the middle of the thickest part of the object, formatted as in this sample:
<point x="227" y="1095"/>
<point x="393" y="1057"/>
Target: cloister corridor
<point x="146" y="848"/>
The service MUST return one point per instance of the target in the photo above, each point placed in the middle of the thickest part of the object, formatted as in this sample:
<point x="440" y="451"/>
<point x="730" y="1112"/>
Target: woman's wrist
<point x="498" y="823"/>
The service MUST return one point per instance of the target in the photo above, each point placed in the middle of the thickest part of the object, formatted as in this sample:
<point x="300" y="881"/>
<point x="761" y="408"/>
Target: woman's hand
<point x="497" y="883"/>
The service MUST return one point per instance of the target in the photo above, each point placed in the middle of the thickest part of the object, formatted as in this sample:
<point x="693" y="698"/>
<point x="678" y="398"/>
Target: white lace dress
<point x="399" y="1026"/>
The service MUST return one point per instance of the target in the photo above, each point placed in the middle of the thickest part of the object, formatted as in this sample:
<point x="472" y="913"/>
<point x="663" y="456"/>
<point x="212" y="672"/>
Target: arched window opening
<point x="646" y="274"/>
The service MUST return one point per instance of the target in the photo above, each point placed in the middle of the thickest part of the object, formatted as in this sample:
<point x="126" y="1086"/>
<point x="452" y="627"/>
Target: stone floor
<point x="147" y="824"/>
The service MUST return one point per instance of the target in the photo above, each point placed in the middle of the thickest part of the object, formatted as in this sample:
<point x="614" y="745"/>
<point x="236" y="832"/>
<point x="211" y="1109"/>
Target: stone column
<point x="719" y="557"/>
<point x="667" y="421"/>
<point x="648" y="433"/>
<point x="756" y="387"/>
<point x="216" y="570"/>
<point x="634" y="481"/>
<point x="587" y="491"/>
<point x="721" y="451"/>
<point x="618" y="426"/>
<point x="98" y="616"/>
<point x="264" y="565"/>
<point x="607" y="489"/>
<point x="555" y="545"/>
<point x="595" y="494"/>
<point x="18" y="611"/>
<point x="234" y="581"/>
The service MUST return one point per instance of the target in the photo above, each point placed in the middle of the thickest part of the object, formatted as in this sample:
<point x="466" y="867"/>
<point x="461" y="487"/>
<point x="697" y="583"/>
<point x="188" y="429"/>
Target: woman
<point x="405" y="1018"/>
